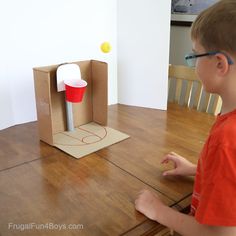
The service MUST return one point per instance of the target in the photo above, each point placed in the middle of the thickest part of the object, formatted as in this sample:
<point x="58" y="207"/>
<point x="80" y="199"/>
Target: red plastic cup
<point x="75" y="90"/>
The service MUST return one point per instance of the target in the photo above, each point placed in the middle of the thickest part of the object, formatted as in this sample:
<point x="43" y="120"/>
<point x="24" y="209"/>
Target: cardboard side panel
<point x="99" y="91"/>
<point x="42" y="95"/>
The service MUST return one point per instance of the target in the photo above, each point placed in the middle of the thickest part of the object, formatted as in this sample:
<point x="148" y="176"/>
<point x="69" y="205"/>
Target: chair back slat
<point x="203" y="101"/>
<point x="178" y="90"/>
<point x="188" y="92"/>
<point x="196" y="95"/>
<point x="171" y="93"/>
<point x="181" y="101"/>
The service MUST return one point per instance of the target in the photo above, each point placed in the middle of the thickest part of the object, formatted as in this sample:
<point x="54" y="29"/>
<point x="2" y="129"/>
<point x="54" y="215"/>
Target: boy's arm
<point x="150" y="205"/>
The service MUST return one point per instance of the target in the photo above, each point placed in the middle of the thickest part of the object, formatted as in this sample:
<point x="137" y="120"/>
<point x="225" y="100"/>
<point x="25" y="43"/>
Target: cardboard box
<point x="50" y="104"/>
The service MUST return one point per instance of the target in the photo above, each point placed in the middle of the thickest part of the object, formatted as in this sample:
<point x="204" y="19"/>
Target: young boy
<point x="213" y="208"/>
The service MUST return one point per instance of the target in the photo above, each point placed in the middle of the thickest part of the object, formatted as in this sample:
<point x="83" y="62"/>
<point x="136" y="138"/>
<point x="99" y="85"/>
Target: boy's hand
<point x="149" y="204"/>
<point x="181" y="165"/>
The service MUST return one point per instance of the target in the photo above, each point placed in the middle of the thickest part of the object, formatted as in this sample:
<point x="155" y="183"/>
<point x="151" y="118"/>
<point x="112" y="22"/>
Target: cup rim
<point x="75" y="83"/>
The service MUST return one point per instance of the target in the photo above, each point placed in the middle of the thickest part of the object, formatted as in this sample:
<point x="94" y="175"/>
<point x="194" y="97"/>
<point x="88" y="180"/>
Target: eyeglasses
<point x="192" y="57"/>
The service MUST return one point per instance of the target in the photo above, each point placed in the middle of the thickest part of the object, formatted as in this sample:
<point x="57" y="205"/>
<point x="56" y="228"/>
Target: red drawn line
<point x="84" y="143"/>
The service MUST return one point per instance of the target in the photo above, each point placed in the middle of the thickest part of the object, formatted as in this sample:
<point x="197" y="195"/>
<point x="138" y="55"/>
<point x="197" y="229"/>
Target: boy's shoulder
<point x="224" y="130"/>
<point x="228" y="121"/>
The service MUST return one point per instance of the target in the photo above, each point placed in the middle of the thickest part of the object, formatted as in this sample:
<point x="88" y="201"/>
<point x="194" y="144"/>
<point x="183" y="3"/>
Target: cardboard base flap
<point x="87" y="139"/>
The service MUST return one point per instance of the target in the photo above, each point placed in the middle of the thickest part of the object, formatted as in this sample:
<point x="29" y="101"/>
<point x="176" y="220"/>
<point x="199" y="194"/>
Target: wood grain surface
<point x="41" y="186"/>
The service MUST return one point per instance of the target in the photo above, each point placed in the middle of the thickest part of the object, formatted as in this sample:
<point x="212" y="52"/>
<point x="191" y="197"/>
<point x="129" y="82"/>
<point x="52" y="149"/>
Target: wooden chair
<point x="186" y="90"/>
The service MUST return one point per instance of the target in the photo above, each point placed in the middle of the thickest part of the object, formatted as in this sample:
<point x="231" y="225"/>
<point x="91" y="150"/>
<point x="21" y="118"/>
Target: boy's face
<point x="205" y="68"/>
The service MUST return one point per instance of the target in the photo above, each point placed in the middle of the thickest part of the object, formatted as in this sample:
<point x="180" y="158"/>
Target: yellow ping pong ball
<point x="105" y="47"/>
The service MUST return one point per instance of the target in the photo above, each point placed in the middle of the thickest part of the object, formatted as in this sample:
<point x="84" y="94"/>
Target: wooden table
<point x="40" y="186"/>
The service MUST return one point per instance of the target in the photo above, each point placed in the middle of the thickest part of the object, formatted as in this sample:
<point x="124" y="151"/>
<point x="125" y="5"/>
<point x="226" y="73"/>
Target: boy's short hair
<point x="215" y="27"/>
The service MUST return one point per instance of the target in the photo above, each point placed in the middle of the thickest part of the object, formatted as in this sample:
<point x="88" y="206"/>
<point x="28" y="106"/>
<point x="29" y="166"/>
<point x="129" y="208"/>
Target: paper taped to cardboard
<point x="87" y="139"/>
<point x="68" y="71"/>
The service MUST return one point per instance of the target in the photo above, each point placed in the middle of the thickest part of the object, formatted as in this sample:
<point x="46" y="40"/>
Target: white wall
<point x="143" y="52"/>
<point x="38" y="33"/>
<point x="180" y="44"/>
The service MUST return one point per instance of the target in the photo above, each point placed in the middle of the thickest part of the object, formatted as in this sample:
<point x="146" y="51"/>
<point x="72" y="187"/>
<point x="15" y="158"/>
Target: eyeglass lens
<point x="192" y="62"/>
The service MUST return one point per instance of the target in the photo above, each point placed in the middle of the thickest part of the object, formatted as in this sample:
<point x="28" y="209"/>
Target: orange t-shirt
<point x="214" y="195"/>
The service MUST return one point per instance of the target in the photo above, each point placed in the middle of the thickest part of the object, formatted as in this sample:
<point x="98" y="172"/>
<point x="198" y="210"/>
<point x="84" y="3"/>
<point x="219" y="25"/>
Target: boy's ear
<point x="222" y="64"/>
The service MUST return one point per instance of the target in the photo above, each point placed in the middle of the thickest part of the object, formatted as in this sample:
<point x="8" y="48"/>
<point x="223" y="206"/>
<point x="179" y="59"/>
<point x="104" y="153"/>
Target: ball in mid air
<point x="105" y="47"/>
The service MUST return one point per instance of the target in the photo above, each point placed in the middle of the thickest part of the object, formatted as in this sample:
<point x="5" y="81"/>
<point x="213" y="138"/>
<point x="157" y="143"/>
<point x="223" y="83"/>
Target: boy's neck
<point x="229" y="96"/>
<point x="227" y="108"/>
